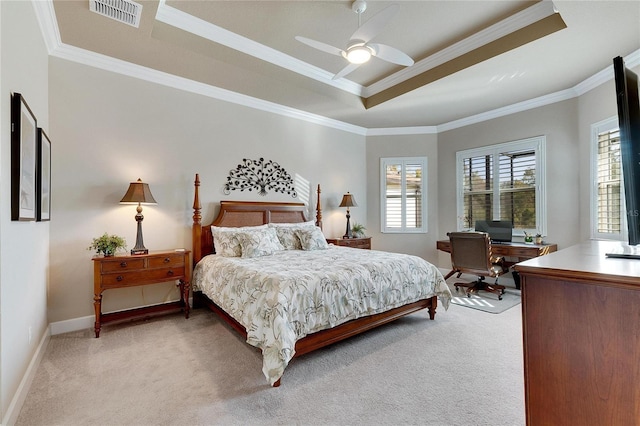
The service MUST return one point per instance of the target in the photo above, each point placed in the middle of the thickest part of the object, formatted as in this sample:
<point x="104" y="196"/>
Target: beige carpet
<point x="464" y="368"/>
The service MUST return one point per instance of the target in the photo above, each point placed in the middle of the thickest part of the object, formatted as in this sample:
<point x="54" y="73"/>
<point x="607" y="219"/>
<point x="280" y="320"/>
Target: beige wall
<point x="403" y="146"/>
<point x="110" y="129"/>
<point x="559" y="123"/>
<point x="24" y="246"/>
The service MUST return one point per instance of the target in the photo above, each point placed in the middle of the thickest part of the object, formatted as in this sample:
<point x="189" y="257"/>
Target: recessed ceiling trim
<point x="179" y="19"/>
<point x="46" y="17"/>
<point x="507" y="26"/>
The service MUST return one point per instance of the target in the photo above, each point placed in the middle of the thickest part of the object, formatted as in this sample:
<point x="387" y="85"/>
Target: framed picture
<point x="43" y="177"/>
<point x="24" y="135"/>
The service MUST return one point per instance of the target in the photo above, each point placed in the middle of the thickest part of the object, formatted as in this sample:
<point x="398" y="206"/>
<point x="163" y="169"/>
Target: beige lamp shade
<point x="138" y="192"/>
<point x="348" y="201"/>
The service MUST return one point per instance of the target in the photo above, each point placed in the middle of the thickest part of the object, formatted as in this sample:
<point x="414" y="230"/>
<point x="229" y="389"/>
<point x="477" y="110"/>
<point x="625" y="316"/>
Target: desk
<point x="520" y="251"/>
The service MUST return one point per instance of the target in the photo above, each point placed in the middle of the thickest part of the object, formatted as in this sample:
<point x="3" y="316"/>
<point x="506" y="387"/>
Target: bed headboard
<point x="243" y="213"/>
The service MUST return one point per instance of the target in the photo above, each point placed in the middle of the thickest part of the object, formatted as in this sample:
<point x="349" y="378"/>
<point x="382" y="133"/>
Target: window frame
<point x="384" y="161"/>
<point x="607" y="125"/>
<point x="538" y="145"/>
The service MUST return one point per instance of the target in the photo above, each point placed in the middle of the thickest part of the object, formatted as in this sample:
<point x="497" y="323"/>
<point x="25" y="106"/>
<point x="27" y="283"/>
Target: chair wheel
<point x="499" y="297"/>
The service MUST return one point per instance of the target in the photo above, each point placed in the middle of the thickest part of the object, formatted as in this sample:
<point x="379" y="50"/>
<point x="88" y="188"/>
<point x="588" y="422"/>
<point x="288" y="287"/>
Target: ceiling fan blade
<point x="346" y="70"/>
<point x="391" y="54"/>
<point x="373" y="26"/>
<point x="320" y="45"/>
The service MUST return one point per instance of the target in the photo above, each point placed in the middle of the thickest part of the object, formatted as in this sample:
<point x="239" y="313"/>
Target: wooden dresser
<point x="129" y="271"/>
<point x="581" y="334"/>
<point x="361" y="243"/>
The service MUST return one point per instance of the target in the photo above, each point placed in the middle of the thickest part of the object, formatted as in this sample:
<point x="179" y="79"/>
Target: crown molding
<point x="184" y="21"/>
<point x="492" y="33"/>
<point x="48" y="25"/>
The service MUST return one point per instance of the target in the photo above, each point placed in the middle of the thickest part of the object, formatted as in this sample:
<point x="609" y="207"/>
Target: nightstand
<point x="361" y="243"/>
<point x="130" y="271"/>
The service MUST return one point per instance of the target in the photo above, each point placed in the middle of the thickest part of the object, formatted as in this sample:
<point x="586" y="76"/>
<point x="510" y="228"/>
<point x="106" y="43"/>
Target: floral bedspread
<point x="281" y="298"/>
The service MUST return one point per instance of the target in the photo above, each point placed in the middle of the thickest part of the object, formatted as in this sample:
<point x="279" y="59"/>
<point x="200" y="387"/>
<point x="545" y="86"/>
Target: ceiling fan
<point x="359" y="49"/>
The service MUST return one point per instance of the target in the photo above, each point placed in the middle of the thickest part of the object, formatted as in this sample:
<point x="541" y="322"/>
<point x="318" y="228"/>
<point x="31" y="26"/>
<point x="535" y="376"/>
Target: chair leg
<point x="480" y="284"/>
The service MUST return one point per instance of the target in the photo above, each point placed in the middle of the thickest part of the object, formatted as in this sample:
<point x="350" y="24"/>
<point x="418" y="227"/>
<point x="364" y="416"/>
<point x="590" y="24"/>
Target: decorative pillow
<point x="256" y="243"/>
<point x="225" y="240"/>
<point x="287" y="233"/>
<point x="312" y="239"/>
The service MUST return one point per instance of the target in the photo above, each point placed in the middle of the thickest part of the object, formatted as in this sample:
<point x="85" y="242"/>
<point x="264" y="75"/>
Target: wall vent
<point x="125" y="11"/>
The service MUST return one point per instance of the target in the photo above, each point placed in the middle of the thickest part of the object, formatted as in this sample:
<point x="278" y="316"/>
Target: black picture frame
<point x="24" y="135"/>
<point x="43" y="180"/>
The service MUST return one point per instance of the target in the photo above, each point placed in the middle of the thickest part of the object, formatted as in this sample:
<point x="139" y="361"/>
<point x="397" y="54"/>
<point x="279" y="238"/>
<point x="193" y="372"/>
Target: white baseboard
<point x="11" y="416"/>
<point x="82" y="323"/>
<point x="75" y="324"/>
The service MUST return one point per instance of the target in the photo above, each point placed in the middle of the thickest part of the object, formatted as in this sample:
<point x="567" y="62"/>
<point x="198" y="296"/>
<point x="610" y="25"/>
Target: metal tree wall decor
<point x="260" y="175"/>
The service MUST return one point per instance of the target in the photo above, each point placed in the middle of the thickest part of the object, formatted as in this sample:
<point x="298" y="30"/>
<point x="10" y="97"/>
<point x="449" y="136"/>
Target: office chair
<point x="471" y="254"/>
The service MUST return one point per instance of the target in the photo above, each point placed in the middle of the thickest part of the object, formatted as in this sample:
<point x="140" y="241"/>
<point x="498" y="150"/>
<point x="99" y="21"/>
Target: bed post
<point x="318" y="210"/>
<point x="197" y="223"/>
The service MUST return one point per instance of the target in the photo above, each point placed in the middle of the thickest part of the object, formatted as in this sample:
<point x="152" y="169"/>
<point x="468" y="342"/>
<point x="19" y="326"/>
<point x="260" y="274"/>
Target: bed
<point x="303" y="294"/>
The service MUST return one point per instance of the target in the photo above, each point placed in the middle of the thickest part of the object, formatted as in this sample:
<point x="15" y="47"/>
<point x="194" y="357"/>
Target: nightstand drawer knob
<point x="123" y="264"/>
<point x="119" y="278"/>
<point x="170" y="273"/>
<point x="167" y="260"/>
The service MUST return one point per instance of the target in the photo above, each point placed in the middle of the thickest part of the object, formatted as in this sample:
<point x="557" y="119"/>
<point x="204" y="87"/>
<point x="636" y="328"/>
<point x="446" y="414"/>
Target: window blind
<point x="608" y="176"/>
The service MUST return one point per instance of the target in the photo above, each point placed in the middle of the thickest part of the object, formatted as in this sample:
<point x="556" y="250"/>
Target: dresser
<point x="581" y="336"/>
<point x="128" y="271"/>
<point x="361" y="243"/>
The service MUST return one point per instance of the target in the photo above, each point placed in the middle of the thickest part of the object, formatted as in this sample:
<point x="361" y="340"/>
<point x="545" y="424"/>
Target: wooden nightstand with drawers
<point x="361" y="243"/>
<point x="129" y="271"/>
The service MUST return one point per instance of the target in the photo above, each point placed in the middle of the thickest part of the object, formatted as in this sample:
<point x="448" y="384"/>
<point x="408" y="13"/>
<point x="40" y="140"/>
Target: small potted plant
<point x="358" y="230"/>
<point x="107" y="245"/>
<point x="528" y="238"/>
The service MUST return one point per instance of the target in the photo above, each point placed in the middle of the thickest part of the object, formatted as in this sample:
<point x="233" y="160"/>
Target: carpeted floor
<point x="464" y="368"/>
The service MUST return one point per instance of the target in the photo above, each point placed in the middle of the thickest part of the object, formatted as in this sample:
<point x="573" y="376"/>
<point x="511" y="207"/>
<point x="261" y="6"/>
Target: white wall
<point x="403" y="146"/>
<point x="559" y="123"/>
<point x="111" y="129"/>
<point x="24" y="246"/>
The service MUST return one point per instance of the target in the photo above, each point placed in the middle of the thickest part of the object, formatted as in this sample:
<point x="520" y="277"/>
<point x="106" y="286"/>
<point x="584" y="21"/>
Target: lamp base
<point x="139" y="251"/>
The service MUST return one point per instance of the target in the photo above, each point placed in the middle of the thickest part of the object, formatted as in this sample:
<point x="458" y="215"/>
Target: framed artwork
<point x="24" y="135"/>
<point x="43" y="177"/>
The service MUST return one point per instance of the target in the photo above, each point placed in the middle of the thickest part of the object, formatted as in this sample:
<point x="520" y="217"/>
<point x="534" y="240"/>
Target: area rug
<point x="484" y="301"/>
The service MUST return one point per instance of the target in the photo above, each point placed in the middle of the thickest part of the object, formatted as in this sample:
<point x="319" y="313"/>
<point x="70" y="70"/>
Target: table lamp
<point x="140" y="193"/>
<point x="348" y="201"/>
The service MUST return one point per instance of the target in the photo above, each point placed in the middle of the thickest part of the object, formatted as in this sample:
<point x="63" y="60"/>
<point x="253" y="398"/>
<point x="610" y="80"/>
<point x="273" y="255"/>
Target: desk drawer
<point x="170" y="260"/>
<point x="121" y="265"/>
<point x="129" y="279"/>
<point x="525" y="252"/>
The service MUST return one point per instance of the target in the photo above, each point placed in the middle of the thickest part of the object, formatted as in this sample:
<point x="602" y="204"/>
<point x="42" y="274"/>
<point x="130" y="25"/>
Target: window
<point x="403" y="205"/>
<point x="503" y="182"/>
<point x="606" y="194"/>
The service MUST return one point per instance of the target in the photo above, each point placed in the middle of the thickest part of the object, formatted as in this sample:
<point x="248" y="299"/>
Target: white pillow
<point x="312" y="238"/>
<point x="261" y="242"/>
<point x="225" y="240"/>
<point x="287" y="233"/>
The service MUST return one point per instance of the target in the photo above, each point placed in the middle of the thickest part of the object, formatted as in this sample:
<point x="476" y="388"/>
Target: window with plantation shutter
<point x="503" y="182"/>
<point x="403" y="202"/>
<point x="606" y="194"/>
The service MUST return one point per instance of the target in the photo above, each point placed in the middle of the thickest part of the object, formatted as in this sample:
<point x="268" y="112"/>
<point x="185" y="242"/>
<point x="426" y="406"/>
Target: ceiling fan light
<point x="358" y="54"/>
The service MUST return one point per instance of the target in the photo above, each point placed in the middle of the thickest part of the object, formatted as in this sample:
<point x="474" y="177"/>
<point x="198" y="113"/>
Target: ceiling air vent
<point x="125" y="11"/>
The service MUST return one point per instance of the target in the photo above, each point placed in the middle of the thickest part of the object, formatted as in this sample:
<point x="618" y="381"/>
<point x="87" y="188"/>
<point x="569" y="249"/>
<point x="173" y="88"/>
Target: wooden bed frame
<point x="249" y="213"/>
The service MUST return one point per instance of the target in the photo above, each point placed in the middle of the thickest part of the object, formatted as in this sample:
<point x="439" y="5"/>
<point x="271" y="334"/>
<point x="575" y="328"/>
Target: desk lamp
<point x="348" y="201"/>
<point x="140" y="193"/>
